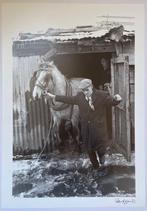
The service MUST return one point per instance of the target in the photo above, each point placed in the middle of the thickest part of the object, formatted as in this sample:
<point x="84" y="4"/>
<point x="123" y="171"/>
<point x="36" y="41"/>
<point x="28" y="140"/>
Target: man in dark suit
<point x="92" y="105"/>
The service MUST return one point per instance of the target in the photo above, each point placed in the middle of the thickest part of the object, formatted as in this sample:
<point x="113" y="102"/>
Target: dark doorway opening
<point x="87" y="65"/>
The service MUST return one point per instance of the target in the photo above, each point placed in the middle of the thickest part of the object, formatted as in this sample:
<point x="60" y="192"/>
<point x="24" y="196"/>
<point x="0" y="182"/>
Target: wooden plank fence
<point x="132" y="104"/>
<point x="30" y="117"/>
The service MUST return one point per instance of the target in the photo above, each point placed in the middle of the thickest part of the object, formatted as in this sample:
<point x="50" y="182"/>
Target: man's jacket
<point x="93" y="122"/>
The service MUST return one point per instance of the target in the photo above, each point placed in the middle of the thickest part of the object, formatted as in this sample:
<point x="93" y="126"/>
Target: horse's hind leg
<point x="76" y="138"/>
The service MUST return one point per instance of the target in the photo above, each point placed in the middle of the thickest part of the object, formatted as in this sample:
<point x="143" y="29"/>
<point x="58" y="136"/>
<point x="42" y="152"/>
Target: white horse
<point x="52" y="80"/>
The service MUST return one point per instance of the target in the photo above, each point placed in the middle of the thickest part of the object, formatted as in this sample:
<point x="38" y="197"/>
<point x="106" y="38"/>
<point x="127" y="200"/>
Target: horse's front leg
<point x="50" y="136"/>
<point x="54" y="133"/>
<point x="57" y="139"/>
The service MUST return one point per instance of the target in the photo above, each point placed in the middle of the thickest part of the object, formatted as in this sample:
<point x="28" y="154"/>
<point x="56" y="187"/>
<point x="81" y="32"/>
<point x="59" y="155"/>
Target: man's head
<point x="86" y="87"/>
<point x="104" y="63"/>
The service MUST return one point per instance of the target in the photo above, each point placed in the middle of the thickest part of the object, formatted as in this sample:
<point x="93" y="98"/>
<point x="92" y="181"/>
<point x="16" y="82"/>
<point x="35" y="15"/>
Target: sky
<point x="35" y="17"/>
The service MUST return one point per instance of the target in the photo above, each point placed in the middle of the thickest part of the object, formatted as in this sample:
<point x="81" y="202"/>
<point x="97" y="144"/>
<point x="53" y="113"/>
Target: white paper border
<point x="7" y="130"/>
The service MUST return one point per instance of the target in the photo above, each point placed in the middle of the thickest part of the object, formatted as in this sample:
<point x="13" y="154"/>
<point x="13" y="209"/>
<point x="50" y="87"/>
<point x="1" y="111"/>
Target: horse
<point x="49" y="78"/>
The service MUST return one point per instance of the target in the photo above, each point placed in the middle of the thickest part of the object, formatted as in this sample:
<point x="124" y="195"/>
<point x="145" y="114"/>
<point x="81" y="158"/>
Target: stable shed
<point x="78" y="54"/>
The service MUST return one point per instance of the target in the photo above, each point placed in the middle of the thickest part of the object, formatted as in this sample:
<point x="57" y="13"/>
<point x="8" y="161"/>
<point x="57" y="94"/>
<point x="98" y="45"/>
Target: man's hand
<point x="51" y="95"/>
<point x="48" y="95"/>
<point x="117" y="97"/>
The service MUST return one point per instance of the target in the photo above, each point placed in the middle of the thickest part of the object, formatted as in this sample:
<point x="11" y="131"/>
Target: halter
<point x="41" y="86"/>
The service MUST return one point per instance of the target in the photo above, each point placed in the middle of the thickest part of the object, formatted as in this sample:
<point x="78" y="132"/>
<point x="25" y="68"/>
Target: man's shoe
<point x="102" y="159"/>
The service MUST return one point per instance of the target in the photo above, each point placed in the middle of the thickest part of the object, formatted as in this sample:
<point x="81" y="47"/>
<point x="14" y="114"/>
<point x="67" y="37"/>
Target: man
<point x="102" y="77"/>
<point x="92" y="105"/>
<point x="105" y="74"/>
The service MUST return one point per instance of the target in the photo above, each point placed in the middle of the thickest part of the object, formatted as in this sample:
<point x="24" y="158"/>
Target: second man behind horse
<point x="92" y="105"/>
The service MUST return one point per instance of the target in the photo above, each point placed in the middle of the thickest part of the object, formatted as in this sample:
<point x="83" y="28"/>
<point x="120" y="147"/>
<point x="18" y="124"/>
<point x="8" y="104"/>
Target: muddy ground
<point x="71" y="174"/>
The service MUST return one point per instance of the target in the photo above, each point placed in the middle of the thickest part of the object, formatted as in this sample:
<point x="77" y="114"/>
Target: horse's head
<point x="44" y="80"/>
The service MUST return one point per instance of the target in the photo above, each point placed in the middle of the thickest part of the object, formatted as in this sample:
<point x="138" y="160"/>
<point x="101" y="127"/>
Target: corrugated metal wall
<point x="30" y="118"/>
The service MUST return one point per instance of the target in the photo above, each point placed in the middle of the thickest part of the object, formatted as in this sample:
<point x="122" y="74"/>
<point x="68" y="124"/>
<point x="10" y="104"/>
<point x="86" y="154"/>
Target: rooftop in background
<point x="104" y="25"/>
<point x="82" y="39"/>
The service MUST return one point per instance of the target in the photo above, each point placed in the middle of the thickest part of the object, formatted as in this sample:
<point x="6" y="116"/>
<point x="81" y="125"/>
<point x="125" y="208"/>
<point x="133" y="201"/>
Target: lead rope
<point x="45" y="142"/>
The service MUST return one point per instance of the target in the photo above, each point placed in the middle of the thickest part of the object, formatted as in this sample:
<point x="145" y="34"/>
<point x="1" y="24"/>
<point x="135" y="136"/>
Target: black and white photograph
<point x="73" y="97"/>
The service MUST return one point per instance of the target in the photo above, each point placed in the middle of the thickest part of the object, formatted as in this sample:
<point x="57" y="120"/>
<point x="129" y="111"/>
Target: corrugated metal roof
<point x="68" y="36"/>
<point x="81" y="35"/>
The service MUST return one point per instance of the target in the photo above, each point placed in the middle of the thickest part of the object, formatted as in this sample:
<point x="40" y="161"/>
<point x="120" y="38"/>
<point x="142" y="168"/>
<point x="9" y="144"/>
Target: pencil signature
<point x="125" y="201"/>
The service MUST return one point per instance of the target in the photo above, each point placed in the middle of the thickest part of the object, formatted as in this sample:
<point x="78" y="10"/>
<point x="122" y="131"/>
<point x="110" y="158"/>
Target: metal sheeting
<point x="77" y="35"/>
<point x="30" y="117"/>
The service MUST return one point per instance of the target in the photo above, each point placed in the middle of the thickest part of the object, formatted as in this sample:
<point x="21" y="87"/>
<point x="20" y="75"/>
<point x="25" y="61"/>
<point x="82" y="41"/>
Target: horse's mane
<point x="56" y="74"/>
<point x="59" y="81"/>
